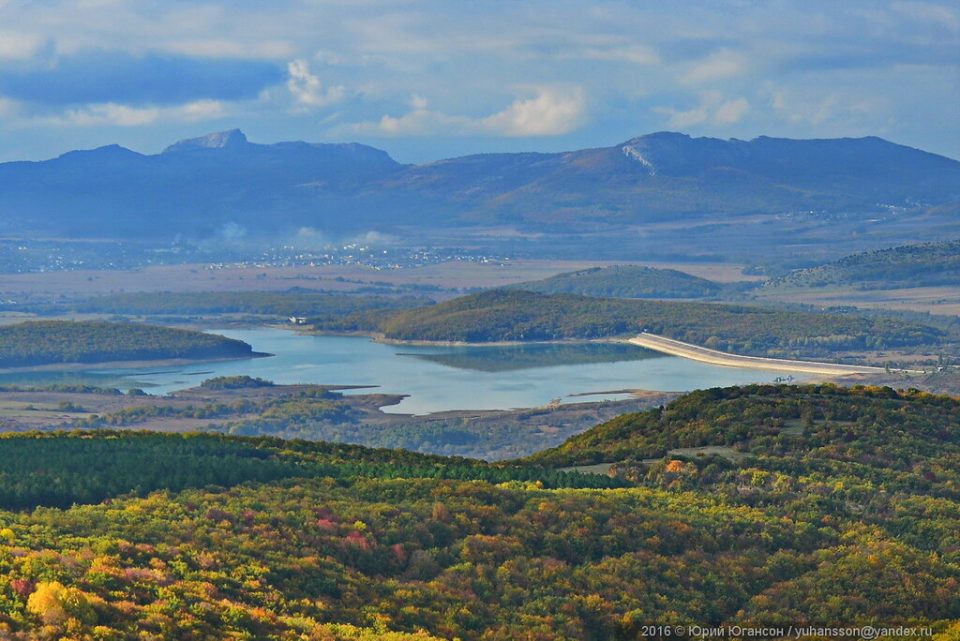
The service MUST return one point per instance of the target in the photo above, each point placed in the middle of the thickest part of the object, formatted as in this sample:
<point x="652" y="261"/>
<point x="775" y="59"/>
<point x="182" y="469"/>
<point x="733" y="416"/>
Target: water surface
<point x="435" y="378"/>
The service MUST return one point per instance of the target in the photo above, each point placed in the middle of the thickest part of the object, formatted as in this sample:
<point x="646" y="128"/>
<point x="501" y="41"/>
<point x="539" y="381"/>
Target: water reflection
<point x="432" y="378"/>
<point x="516" y="357"/>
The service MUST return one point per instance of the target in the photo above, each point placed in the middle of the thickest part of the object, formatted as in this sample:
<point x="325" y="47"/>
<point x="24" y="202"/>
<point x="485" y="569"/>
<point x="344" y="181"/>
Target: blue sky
<point x="427" y="79"/>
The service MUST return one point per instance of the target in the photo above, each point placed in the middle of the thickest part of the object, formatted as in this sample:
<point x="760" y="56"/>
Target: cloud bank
<point x="535" y="75"/>
<point x="551" y="111"/>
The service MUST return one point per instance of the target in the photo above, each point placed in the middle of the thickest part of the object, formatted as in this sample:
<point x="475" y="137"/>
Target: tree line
<point x="53" y="342"/>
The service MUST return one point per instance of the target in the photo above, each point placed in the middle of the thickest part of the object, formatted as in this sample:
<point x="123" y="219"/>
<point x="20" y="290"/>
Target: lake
<point x="435" y="378"/>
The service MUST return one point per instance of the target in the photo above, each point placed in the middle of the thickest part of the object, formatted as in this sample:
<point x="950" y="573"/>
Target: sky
<point x="430" y="79"/>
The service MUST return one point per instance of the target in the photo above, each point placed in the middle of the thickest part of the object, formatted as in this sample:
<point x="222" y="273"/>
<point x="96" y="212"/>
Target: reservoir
<point x="435" y="378"/>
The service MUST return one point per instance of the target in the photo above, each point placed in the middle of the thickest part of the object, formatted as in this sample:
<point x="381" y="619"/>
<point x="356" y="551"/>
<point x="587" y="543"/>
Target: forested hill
<point x="819" y="506"/>
<point x="927" y="264"/>
<point x="625" y="281"/>
<point x="501" y="315"/>
<point x="877" y="426"/>
<point x="51" y="342"/>
<point x="61" y="469"/>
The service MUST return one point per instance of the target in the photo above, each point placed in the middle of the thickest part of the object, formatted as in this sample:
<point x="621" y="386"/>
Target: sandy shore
<point x="704" y="355"/>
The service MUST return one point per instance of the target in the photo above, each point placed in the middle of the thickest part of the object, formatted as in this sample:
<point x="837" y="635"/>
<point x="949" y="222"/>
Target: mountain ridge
<point x="198" y="185"/>
<point x="237" y="137"/>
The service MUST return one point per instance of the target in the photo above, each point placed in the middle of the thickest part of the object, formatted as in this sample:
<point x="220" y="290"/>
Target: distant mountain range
<point x="196" y="187"/>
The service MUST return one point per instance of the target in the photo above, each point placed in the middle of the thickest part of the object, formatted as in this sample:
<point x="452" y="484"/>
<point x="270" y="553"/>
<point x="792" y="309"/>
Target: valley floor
<point x="314" y="413"/>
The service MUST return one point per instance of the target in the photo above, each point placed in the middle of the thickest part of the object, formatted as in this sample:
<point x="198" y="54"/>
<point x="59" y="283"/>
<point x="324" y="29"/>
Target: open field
<point x="305" y="411"/>
<point x="454" y="275"/>
<point x="936" y="300"/>
<point x="702" y="354"/>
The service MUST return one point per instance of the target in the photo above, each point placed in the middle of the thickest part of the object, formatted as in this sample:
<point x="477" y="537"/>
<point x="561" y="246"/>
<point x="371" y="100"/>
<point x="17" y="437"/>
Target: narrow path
<point x="712" y="356"/>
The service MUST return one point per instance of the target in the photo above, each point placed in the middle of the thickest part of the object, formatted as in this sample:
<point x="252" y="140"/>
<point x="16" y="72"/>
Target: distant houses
<point x="297" y="320"/>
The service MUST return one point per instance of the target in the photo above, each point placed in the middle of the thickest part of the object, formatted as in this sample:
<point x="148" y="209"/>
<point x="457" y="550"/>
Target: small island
<point x="54" y="342"/>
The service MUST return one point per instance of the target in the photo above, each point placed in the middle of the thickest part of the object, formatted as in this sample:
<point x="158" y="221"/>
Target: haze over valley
<point x="655" y="197"/>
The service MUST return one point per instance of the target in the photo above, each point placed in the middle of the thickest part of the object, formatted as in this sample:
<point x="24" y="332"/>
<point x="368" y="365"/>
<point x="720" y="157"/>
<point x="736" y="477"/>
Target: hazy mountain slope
<point x="193" y="187"/>
<point x="198" y="186"/>
<point x="668" y="173"/>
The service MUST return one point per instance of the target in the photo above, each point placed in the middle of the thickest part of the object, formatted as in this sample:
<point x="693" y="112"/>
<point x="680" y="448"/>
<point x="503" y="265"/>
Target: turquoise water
<point x="436" y="378"/>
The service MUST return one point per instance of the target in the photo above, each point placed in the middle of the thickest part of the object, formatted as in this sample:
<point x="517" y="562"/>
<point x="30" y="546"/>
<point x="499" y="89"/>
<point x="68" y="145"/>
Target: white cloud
<point x="306" y="88"/>
<point x="712" y="109"/>
<point x="18" y="46"/>
<point x="552" y="111"/>
<point x="8" y="108"/>
<point x="824" y="109"/>
<point x="731" y="111"/>
<point x="635" y="54"/>
<point x="216" y="48"/>
<point x="627" y="57"/>
<point x="126" y="116"/>
<point x="684" y="119"/>
<point x="809" y="110"/>
<point x="418" y="102"/>
<point x="717" y="66"/>
<point x="419" y="120"/>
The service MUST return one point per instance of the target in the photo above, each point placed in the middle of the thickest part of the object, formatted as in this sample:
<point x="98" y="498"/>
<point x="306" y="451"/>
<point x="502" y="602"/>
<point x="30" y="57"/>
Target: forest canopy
<point x="625" y="281"/>
<point x="53" y="342"/>
<point x="501" y="315"/>
<point x="816" y="505"/>
<point x="922" y="265"/>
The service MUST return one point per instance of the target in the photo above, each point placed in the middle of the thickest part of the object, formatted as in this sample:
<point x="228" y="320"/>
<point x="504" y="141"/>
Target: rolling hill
<point x="625" y="281"/>
<point x="766" y="420"/>
<point x="504" y="315"/>
<point x="818" y="505"/>
<point x="55" y="342"/>
<point x="923" y="265"/>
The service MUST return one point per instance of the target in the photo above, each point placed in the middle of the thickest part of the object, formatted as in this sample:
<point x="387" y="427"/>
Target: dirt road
<point x="704" y="355"/>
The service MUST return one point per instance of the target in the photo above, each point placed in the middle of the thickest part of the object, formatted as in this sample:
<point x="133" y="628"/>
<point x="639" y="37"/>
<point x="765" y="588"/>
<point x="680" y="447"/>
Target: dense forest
<point x="923" y="265"/>
<point x="500" y="315"/>
<point x="625" y="281"/>
<point x="827" y="506"/>
<point x="751" y="418"/>
<point x="59" y="469"/>
<point x="51" y="342"/>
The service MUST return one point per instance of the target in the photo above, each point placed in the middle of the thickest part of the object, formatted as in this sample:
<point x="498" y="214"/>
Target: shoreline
<point x="165" y="362"/>
<point x="660" y="344"/>
<point x="705" y="355"/>
<point x="379" y="337"/>
<point x="426" y="343"/>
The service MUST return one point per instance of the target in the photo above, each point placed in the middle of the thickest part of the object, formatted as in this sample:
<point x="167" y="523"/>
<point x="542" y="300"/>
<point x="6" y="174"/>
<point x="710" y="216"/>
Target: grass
<point x="936" y="300"/>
